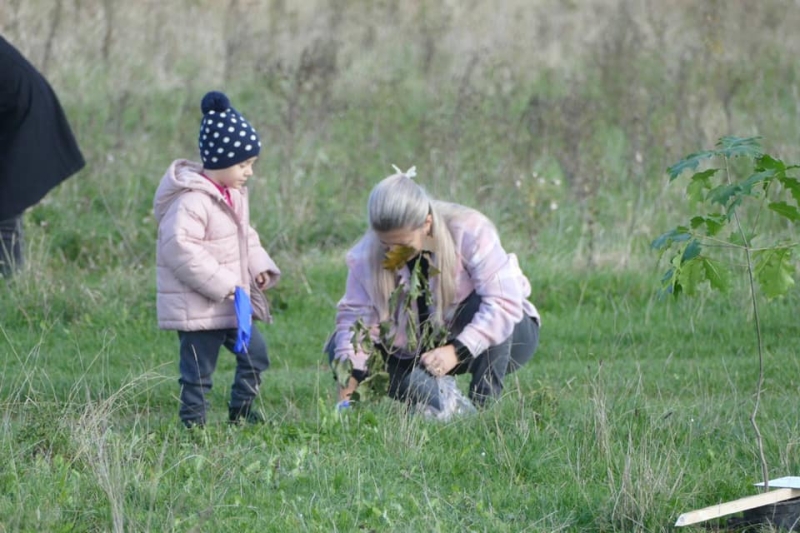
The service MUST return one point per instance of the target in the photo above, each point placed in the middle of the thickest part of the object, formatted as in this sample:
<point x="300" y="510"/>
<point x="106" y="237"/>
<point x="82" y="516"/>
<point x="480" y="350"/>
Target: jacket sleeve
<point x="260" y="261"/>
<point x="355" y="304"/>
<point x="183" y="251"/>
<point x="496" y="278"/>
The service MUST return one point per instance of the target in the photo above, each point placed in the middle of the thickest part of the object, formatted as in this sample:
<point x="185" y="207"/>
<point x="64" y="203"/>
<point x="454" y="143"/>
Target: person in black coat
<point x="37" y="148"/>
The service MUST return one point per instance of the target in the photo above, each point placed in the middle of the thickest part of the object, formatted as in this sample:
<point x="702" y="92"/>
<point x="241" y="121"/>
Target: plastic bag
<point x="244" y="319"/>
<point x="453" y="401"/>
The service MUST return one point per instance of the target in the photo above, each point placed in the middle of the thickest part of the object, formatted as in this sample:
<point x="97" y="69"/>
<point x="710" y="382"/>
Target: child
<point x="206" y="248"/>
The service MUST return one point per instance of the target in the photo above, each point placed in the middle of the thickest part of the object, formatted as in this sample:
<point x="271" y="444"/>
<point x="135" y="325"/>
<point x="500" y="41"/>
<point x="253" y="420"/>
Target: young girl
<point x="478" y="297"/>
<point x="206" y="249"/>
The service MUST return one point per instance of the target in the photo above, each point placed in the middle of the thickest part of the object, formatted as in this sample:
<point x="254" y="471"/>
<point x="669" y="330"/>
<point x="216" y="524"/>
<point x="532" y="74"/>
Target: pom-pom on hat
<point x="226" y="138"/>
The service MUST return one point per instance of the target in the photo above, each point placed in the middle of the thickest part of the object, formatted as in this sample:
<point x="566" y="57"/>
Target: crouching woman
<point x="431" y="290"/>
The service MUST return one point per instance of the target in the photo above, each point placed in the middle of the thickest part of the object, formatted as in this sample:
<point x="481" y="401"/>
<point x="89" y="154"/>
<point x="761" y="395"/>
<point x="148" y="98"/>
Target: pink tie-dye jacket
<point x="484" y="267"/>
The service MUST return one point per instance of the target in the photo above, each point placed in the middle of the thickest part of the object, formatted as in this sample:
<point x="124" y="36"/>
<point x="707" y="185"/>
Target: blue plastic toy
<point x="244" y="319"/>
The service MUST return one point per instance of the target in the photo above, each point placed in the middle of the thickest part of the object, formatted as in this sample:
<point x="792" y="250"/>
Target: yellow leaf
<point x="397" y="256"/>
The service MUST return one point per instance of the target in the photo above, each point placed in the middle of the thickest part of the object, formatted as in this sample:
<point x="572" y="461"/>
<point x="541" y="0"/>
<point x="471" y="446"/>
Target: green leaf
<point x="700" y="183"/>
<point x="690" y="162"/>
<point x="376" y="361"/>
<point x="774" y="271"/>
<point x="342" y="369"/>
<point x="672" y="280"/>
<point x="691" y="276"/>
<point x="746" y="186"/>
<point x="792" y="185"/>
<point x="414" y="287"/>
<point x="691" y="251"/>
<point x="785" y="210"/>
<point x="359" y="332"/>
<point x="715" y="223"/>
<point x="668" y="281"/>
<point x="687" y="275"/>
<point x="697" y="221"/>
<point x="730" y="146"/>
<point x="384" y="332"/>
<point x="764" y="177"/>
<point x="374" y="387"/>
<point x="723" y="193"/>
<point x="767" y="162"/>
<point x="705" y="176"/>
<point x="735" y="238"/>
<point x="732" y="207"/>
<point x="396" y="297"/>
<point x="695" y="191"/>
<point x="778" y="168"/>
<point x="716" y="273"/>
<point x="726" y="147"/>
<point x="412" y="339"/>
<point x="665" y="240"/>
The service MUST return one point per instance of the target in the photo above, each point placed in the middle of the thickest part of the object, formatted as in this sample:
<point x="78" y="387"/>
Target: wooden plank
<point x="788" y="482"/>
<point x="742" y="504"/>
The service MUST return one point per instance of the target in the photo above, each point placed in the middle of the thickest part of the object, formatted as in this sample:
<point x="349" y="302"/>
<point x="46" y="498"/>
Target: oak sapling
<point x="378" y="343"/>
<point x="738" y="217"/>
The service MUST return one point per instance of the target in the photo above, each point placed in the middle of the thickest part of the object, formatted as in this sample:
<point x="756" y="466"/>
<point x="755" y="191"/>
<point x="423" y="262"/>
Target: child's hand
<point x="261" y="280"/>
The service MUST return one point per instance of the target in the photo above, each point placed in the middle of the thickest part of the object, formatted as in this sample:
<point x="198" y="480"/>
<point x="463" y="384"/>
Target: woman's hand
<point x="440" y="361"/>
<point x="261" y="280"/>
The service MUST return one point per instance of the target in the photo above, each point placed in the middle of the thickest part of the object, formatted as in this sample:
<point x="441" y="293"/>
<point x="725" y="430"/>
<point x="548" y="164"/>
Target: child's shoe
<point x="244" y="413"/>
<point x="194" y="424"/>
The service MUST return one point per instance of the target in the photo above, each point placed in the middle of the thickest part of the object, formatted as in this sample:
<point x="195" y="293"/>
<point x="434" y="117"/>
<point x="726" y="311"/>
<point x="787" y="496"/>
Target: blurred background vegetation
<point x="557" y="118"/>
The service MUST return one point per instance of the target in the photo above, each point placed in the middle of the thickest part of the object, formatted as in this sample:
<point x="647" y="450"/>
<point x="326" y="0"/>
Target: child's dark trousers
<point x="199" y="351"/>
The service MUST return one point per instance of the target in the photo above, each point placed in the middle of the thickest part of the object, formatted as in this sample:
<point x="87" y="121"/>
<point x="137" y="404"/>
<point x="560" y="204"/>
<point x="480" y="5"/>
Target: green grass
<point x="633" y="411"/>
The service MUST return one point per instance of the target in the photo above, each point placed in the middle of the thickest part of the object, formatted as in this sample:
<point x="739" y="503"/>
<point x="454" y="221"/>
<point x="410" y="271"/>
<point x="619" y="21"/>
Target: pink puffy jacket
<point x="205" y="249"/>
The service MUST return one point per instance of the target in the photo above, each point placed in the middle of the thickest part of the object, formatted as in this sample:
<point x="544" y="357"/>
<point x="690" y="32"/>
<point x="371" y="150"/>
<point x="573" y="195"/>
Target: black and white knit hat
<point x="226" y="138"/>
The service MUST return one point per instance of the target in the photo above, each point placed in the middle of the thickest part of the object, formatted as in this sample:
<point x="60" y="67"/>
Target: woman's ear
<point x="429" y="225"/>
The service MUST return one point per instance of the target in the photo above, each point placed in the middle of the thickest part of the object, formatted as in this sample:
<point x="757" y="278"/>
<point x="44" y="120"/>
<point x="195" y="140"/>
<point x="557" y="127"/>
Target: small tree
<point x="420" y="338"/>
<point x="736" y="210"/>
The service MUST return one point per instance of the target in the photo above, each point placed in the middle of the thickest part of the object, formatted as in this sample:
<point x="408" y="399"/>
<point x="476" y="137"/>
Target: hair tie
<point x="410" y="173"/>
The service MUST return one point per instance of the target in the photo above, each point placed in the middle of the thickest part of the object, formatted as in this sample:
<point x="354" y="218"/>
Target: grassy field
<point x="634" y="411"/>
<point x="555" y="118"/>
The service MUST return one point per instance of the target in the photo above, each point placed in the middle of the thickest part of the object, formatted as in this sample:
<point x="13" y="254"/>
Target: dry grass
<point x="203" y="40"/>
<point x="600" y="95"/>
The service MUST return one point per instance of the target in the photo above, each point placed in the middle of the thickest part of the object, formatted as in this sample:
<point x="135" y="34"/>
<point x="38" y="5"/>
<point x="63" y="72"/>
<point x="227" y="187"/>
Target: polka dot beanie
<point x="226" y="138"/>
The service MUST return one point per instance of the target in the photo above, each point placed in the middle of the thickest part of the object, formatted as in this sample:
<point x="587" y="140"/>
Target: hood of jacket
<point x="181" y="175"/>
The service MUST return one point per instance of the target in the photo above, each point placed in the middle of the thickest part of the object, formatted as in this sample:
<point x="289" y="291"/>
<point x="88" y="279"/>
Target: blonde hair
<point x="400" y="203"/>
